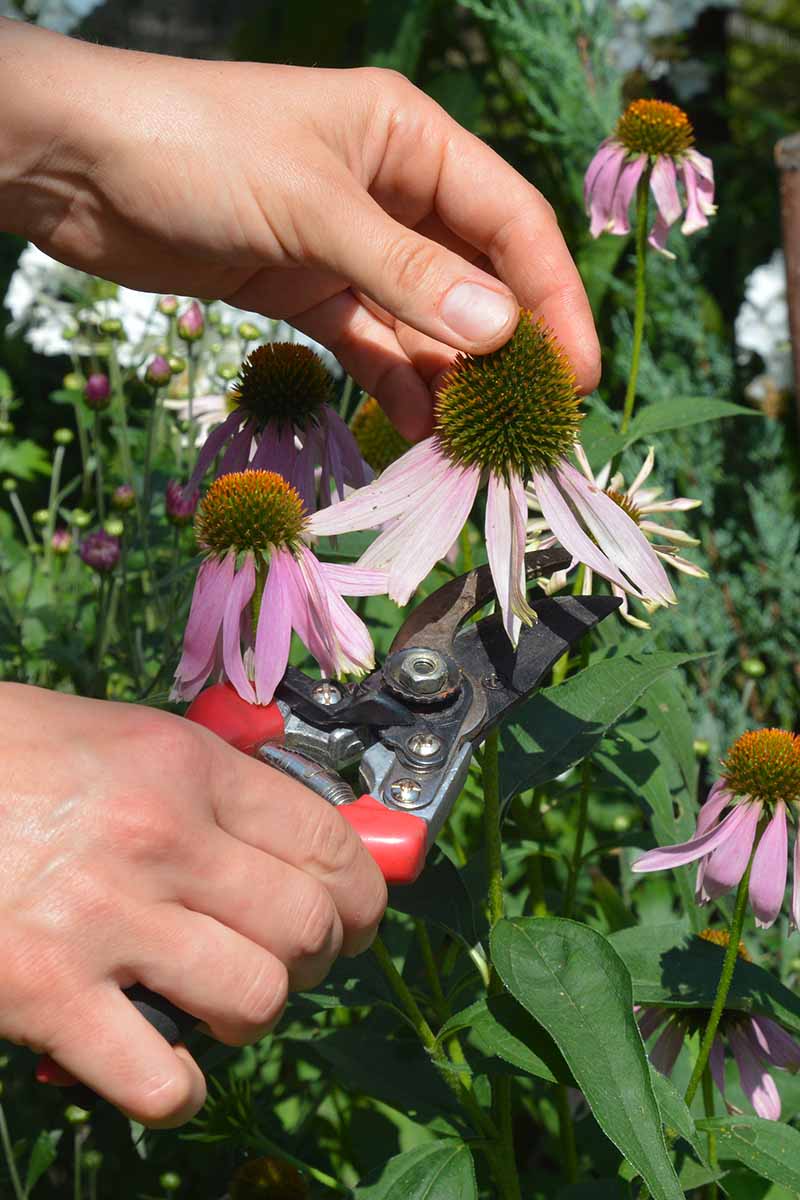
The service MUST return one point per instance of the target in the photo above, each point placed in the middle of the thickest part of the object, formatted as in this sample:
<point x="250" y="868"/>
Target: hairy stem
<point x="642" y="190"/>
<point x="711" y="1192"/>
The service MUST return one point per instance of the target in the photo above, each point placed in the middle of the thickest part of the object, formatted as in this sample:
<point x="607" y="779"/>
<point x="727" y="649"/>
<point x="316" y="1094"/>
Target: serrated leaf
<point x="670" y="965"/>
<point x="571" y="980"/>
<point x="769" y="1148"/>
<point x="435" y="1171"/>
<point x="43" y="1155"/>
<point x="561" y="725"/>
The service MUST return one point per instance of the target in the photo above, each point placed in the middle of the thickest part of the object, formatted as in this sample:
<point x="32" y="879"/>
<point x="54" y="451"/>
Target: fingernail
<point x="477" y="313"/>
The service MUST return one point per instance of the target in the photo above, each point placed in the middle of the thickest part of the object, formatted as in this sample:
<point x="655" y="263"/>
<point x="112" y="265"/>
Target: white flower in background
<point x="642" y="24"/>
<point x="60" y="15"/>
<point x="638" y="502"/>
<point x="762" y="324"/>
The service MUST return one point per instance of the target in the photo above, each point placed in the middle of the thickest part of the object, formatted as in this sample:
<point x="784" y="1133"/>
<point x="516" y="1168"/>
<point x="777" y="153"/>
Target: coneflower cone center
<point x="378" y="440"/>
<point x="249" y="511"/>
<point x="625" y="503"/>
<point x="514" y="410"/>
<point x="764" y="764"/>
<point x="283" y="382"/>
<point x="654" y="127"/>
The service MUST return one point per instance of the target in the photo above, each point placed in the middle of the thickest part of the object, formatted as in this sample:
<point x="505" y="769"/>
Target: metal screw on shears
<point x="405" y="792"/>
<point x="424" y="745"/>
<point x="326" y="693"/>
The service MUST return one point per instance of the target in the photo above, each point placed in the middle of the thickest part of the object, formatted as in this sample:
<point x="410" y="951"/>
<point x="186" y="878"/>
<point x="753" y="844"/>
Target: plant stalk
<point x="712" y="1191"/>
<point x="566" y="1132"/>
<point x="642" y="191"/>
<point x="8" y="1150"/>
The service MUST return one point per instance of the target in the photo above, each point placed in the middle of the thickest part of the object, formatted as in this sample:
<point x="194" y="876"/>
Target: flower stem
<point x="711" y="1192"/>
<point x="490" y="774"/>
<point x="8" y="1150"/>
<point x="580" y="836"/>
<point x="728" y="966"/>
<point x="466" y="548"/>
<point x="77" y="1180"/>
<point x="98" y="469"/>
<point x="122" y="419"/>
<point x="642" y="191"/>
<point x="566" y="1132"/>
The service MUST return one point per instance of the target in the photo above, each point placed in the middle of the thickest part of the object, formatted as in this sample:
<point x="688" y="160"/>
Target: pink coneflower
<point x="760" y="784"/>
<point x="654" y="136"/>
<point x="757" y="1044"/>
<point x="283" y="421"/>
<point x="259" y="581"/>
<point x="641" y="504"/>
<point x="507" y="418"/>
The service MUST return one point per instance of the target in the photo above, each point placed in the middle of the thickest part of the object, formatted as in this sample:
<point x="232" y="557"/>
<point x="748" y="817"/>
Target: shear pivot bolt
<point x="424" y="745"/>
<point x="326" y="693"/>
<point x="418" y="671"/>
<point x="405" y="792"/>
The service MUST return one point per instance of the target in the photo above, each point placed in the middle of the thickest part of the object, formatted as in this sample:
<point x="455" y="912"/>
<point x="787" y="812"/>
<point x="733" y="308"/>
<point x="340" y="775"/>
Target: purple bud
<point x="123" y="497"/>
<point x="158" y="371"/>
<point x="191" y="323"/>
<point x="97" y="392"/>
<point x="168" y="305"/>
<point x="180" y="505"/>
<point x="100" y="551"/>
<point x="61" y="541"/>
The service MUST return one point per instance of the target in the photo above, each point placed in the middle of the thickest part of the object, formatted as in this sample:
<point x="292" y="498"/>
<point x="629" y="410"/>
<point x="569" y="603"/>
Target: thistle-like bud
<point x="92" y="1160"/>
<point x="97" y="392"/>
<point x="61" y="541"/>
<point x="100" y="551"/>
<point x="73" y="381"/>
<point x="75" y="1115"/>
<point x="227" y="371"/>
<point x="180" y="509"/>
<point x="63" y="436"/>
<point x="191" y="323"/>
<point x="168" y="305"/>
<point x="114" y="526"/>
<point x="170" y="1181"/>
<point x="9" y="484"/>
<point x="176" y="364"/>
<point x="112" y="327"/>
<point x="41" y="517"/>
<point x="123" y="497"/>
<point x="158" y="371"/>
<point x="81" y="518"/>
<point x="249" y="332"/>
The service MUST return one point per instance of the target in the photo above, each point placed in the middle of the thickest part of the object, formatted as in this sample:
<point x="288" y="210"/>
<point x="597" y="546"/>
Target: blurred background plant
<point x="97" y="566"/>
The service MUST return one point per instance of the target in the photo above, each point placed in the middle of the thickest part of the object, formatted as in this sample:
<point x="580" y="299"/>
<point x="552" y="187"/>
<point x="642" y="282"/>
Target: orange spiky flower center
<point x="655" y="127"/>
<point x="721" y="937"/>
<point x="249" y="511"/>
<point x="283" y="382"/>
<point x="764" y="764"/>
<point x="625" y="503"/>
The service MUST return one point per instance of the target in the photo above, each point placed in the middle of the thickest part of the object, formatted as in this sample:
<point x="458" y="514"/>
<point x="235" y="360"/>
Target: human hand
<point x="346" y="202"/>
<point x="138" y="847"/>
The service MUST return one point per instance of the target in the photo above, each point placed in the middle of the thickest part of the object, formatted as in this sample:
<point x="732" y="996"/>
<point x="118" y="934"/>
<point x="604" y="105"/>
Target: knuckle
<point x="319" y="927"/>
<point x="264" y="997"/>
<point x="411" y="263"/>
<point x="142" y="830"/>
<point x="332" y="846"/>
<point x="385" y="81"/>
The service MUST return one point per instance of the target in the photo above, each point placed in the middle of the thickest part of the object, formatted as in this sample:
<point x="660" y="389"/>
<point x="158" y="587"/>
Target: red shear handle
<point x="396" y="840"/>
<point x="246" y="726"/>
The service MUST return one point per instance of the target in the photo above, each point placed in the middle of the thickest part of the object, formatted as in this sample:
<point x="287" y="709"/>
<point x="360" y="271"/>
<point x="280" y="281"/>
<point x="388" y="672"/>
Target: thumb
<point x="418" y="281"/>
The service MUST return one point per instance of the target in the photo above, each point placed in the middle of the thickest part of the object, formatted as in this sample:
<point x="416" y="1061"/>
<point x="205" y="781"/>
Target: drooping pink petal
<point x="695" y="217"/>
<point x="389" y="496"/>
<point x="666" y="857"/>
<point x="342" y="637"/>
<point x="355" y="652"/>
<point x="774" y="1043"/>
<point x="311" y="615"/>
<point x="651" y="1020"/>
<point x="274" y="633"/>
<point x="716" y="1060"/>
<point x="304" y="472"/>
<point x="506" y="509"/>
<point x="205" y="618"/>
<point x="412" y="546"/>
<point x="624" y="192"/>
<point x="350" y="580"/>
<point x="665" y="1053"/>
<point x="354" y="471"/>
<point x="717" y="800"/>
<point x="796" y="884"/>
<point x="664" y="186"/>
<point x="276" y="450"/>
<point x="238" y="598"/>
<point x="770" y="869"/>
<point x="704" y="170"/>
<point x="602" y="192"/>
<point x="606" y="150"/>
<point x="237" y="455"/>
<point x="657" y="237"/>
<point x="212" y="446"/>
<point x="726" y="866"/>
<point x="757" y="1083"/>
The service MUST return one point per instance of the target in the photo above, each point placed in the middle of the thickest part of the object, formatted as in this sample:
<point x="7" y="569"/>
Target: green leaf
<point x="501" y="1028"/>
<point x="769" y="1148"/>
<point x="677" y="414"/>
<point x="43" y="1155"/>
<point x="560" y="725"/>
<point x="670" y="965"/>
<point x="440" y="1170"/>
<point x="674" y="1113"/>
<point x="439" y="895"/>
<point x="600" y="440"/>
<point x="571" y="980"/>
<point x="25" y="459"/>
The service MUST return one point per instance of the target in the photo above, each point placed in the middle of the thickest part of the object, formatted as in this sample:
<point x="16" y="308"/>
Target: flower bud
<point x="701" y="747"/>
<point x="81" y="518"/>
<point x="754" y="668"/>
<point x="123" y="497"/>
<point x="227" y="371"/>
<point x="215" y="348"/>
<point x="41" y="517"/>
<point x="249" y="332"/>
<point x="9" y="485"/>
<point x="61" y="541"/>
<point x="92" y="1160"/>
<point x="112" y="327"/>
<point x="75" y="1115"/>
<point x="180" y="509"/>
<point x="214" y="317"/>
<point x="170" y="1181"/>
<point x="177" y="364"/>
<point x="225" y="328"/>
<point x="70" y="332"/>
<point x="100" y="551"/>
<point x="191" y="323"/>
<point x="63" y="436"/>
<point x="158" y="371"/>
<point x="97" y="392"/>
<point x="73" y="381"/>
<point x="168" y="305"/>
<point x="6" y="428"/>
<point x="114" y="526"/>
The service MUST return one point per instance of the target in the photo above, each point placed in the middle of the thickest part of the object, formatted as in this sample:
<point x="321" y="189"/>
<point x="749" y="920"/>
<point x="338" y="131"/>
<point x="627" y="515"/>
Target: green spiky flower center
<point x="283" y="382"/>
<point x="378" y="440"/>
<point x="249" y="511"/>
<point x="625" y="503"/>
<point x="655" y="127"/>
<point x="514" y="410"/>
<point x="764" y="764"/>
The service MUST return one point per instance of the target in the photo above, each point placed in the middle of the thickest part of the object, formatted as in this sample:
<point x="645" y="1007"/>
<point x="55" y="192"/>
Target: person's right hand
<point x="138" y="847"/>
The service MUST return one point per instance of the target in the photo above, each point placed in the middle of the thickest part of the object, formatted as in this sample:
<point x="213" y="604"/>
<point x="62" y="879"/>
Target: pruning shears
<point x="410" y="728"/>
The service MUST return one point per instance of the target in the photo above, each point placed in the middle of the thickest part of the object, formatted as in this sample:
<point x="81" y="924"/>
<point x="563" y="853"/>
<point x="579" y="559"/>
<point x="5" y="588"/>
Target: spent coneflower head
<point x="655" y="137"/>
<point x="758" y="791"/>
<point x="282" y="420"/>
<point x="641" y="504"/>
<point x="258" y="582"/>
<point x="378" y="440"/>
<point x="507" y="418"/>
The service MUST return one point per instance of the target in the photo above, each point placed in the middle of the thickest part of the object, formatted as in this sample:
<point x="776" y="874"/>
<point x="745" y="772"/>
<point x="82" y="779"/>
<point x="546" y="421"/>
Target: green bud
<point x="701" y="747"/>
<point x="70" y="332"/>
<point x="114" y="526"/>
<point x="227" y="371"/>
<point x="9" y="485"/>
<point x="621" y="823"/>
<point x="4" y="1061"/>
<point x="214" y="317"/>
<point x="754" y="668"/>
<point x="104" y="289"/>
<point x="168" y="305"/>
<point x="215" y="348"/>
<point x="170" y="1181"/>
<point x="63" y="437"/>
<point x="6" y="428"/>
<point x="226" y="328"/>
<point x="73" y="381"/>
<point x="92" y="1160"/>
<point x="41" y="516"/>
<point x="176" y="364"/>
<point x="81" y="518"/>
<point x="75" y="1115"/>
<point x="248" y="332"/>
<point x="111" y="326"/>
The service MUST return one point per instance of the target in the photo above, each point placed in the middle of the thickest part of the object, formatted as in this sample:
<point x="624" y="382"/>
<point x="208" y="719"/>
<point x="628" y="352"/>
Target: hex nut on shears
<point x="420" y="673"/>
